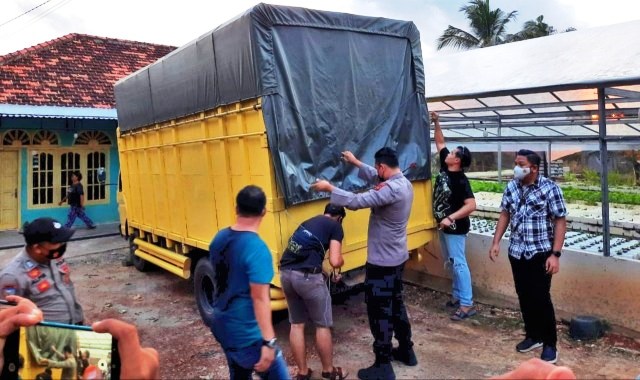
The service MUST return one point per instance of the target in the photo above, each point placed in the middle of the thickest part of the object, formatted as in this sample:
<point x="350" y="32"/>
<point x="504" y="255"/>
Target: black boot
<point x="378" y="371"/>
<point x="405" y="355"/>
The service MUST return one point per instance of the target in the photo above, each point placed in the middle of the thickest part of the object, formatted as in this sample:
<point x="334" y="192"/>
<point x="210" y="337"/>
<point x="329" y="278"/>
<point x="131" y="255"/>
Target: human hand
<point x="25" y="313"/>
<point x="538" y="369"/>
<point x="266" y="358"/>
<point x="43" y="362"/>
<point x="494" y="251"/>
<point x="446" y="223"/>
<point x="322" y="186"/>
<point x="347" y="156"/>
<point x="434" y="117"/>
<point x="136" y="362"/>
<point x="552" y="265"/>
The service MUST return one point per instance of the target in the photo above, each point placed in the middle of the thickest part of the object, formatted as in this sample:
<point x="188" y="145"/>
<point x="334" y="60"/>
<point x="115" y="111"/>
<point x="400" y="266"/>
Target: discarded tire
<point x="585" y="328"/>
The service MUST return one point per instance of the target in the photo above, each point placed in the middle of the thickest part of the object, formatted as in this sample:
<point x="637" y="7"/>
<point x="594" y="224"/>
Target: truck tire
<point x="138" y="263"/>
<point x="203" y="283"/>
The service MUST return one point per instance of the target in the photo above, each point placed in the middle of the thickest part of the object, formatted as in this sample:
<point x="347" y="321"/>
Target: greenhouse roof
<point x="544" y="89"/>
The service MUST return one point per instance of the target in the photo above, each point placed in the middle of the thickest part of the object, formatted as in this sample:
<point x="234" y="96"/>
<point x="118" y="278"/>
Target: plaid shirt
<point x="532" y="210"/>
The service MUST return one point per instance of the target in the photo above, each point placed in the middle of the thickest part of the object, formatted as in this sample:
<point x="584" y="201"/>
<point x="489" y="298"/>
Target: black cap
<point x="46" y="230"/>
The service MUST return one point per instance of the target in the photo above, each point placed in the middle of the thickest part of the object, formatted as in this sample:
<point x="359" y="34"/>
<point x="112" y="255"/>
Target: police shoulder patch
<point x="9" y="291"/>
<point x="380" y="186"/>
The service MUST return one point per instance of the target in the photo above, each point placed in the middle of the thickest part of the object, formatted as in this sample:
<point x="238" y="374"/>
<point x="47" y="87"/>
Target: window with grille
<point x="42" y="178"/>
<point x="69" y="162"/>
<point x="96" y="161"/>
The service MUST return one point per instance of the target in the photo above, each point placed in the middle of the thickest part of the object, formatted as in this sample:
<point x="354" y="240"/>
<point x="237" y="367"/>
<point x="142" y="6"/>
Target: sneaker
<point x="382" y="371"/>
<point x="460" y="315"/>
<point x="549" y="354"/>
<point x="404" y="356"/>
<point x="527" y="345"/>
<point x="336" y="374"/>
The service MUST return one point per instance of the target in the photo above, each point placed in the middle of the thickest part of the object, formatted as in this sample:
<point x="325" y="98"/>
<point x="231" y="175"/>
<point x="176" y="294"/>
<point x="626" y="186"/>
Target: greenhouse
<point x="574" y="98"/>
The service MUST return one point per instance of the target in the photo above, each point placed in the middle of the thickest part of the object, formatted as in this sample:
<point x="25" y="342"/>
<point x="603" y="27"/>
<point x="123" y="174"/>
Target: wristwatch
<point x="271" y="343"/>
<point x="557" y="253"/>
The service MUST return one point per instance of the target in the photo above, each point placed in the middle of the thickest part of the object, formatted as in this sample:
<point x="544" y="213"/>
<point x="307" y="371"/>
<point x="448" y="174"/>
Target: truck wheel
<point x="204" y="286"/>
<point x="140" y="264"/>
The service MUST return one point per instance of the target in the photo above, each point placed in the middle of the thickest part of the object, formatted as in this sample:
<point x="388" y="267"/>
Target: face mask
<point x="57" y="253"/>
<point x="519" y="173"/>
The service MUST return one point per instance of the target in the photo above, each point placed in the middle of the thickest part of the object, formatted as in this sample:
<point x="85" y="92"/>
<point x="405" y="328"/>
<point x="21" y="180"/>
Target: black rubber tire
<point x="140" y="264"/>
<point x="204" y="285"/>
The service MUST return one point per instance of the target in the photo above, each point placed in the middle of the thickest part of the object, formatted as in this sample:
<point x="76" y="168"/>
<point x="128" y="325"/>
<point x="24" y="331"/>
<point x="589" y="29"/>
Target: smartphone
<point x="51" y="350"/>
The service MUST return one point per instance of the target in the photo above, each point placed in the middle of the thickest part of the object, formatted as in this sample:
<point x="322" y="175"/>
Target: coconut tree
<point x="488" y="27"/>
<point x="534" y="29"/>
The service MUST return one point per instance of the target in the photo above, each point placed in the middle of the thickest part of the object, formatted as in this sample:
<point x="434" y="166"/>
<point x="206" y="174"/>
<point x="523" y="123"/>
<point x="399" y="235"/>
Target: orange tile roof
<point x="76" y="70"/>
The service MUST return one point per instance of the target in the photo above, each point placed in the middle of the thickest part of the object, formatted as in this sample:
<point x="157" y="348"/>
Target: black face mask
<point x="57" y="253"/>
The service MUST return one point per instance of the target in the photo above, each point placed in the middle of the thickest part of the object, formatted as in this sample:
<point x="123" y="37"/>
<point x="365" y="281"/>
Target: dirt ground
<point x="163" y="307"/>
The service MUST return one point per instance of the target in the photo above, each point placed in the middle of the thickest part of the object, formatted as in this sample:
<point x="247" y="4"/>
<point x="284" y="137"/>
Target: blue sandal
<point x="460" y="315"/>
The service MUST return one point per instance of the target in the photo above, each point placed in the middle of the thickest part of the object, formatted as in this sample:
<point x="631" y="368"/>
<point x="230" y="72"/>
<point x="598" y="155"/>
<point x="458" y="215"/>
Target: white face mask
<point x="519" y="173"/>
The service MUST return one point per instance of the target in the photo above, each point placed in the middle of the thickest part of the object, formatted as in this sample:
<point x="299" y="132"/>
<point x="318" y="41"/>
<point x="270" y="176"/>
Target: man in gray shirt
<point x="390" y="202"/>
<point x="40" y="274"/>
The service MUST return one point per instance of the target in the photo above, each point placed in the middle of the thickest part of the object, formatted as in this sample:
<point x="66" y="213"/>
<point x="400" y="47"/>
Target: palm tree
<point x="488" y="27"/>
<point x="534" y="29"/>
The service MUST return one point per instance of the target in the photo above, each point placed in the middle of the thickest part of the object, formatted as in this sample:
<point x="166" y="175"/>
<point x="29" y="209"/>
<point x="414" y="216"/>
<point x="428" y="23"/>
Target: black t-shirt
<point x="309" y="243"/>
<point x="74" y="193"/>
<point x="450" y="192"/>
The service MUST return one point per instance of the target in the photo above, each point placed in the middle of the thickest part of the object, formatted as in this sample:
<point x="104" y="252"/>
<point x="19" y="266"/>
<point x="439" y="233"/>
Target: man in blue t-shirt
<point x="305" y="289"/>
<point x="243" y="270"/>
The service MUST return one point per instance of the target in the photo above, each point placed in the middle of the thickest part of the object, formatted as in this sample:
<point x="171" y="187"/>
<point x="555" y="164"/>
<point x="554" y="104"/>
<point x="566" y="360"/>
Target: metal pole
<point x="499" y="151"/>
<point x="549" y="159"/>
<point x="604" y="172"/>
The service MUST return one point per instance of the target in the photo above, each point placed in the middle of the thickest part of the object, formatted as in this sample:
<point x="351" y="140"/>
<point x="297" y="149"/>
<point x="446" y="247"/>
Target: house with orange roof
<point x="58" y="115"/>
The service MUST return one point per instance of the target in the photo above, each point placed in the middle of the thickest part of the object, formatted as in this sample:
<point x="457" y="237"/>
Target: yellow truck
<point x="270" y="98"/>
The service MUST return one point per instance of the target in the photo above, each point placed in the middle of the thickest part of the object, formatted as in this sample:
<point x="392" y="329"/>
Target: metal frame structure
<point x="580" y="88"/>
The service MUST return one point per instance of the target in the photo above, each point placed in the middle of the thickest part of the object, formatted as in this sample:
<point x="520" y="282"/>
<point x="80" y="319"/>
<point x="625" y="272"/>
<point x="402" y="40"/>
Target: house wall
<point x="100" y="211"/>
<point x="587" y="284"/>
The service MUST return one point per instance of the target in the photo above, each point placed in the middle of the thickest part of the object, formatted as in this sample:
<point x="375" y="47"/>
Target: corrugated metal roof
<point x="13" y="110"/>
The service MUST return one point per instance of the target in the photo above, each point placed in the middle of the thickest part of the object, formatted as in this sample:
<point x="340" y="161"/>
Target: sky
<point x="176" y="23"/>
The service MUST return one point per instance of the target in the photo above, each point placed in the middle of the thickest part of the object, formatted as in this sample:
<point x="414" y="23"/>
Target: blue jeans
<point x="454" y="255"/>
<point x="241" y="362"/>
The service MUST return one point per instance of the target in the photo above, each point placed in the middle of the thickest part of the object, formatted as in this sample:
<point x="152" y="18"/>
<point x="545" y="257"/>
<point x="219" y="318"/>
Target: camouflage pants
<point x="386" y="310"/>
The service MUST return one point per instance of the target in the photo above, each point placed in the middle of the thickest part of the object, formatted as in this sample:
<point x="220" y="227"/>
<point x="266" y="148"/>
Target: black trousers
<point x="386" y="310"/>
<point x="533" y="286"/>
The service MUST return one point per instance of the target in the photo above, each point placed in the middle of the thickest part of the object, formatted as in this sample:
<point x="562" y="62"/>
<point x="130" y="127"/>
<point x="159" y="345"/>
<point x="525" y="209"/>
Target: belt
<point x="309" y="270"/>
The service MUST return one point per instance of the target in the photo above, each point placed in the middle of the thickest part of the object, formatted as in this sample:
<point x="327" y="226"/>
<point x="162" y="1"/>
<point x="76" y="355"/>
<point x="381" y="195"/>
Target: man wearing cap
<point x="390" y="202"/>
<point x="40" y="274"/>
<point x="305" y="288"/>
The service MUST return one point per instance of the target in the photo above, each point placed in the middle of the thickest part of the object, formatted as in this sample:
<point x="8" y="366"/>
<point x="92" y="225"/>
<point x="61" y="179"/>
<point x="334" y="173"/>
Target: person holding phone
<point x="136" y="362"/>
<point x="40" y="273"/>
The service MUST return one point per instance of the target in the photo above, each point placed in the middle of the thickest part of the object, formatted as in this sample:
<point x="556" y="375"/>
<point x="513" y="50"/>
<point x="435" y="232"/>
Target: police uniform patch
<point x="43" y="286"/>
<point x="9" y="291"/>
<point x="28" y="265"/>
<point x="34" y="273"/>
<point x="380" y="186"/>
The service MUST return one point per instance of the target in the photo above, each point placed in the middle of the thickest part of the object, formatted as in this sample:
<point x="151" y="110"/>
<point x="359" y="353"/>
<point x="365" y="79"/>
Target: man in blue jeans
<point x="453" y="202"/>
<point x="243" y="270"/>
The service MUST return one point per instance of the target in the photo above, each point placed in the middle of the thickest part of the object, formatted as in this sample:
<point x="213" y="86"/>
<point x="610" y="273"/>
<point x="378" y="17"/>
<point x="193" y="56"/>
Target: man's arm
<point x="503" y="222"/>
<point x="380" y="196"/>
<point x="437" y="132"/>
<point x="262" y="308"/>
<point x="335" y="254"/>
<point x="467" y="208"/>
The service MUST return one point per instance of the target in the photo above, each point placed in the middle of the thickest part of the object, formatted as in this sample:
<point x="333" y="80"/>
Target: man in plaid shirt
<point x="534" y="208"/>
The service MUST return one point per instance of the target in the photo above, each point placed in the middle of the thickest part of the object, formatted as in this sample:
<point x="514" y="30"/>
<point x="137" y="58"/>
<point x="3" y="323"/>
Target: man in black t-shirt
<point x="453" y="202"/>
<point x="305" y="289"/>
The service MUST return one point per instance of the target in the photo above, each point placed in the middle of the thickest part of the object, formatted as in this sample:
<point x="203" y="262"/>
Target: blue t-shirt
<point x="238" y="258"/>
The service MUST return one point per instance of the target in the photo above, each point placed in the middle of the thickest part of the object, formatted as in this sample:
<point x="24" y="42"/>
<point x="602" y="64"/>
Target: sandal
<point x="460" y="315"/>
<point x="335" y="374"/>
<point x="304" y="377"/>
<point x="453" y="304"/>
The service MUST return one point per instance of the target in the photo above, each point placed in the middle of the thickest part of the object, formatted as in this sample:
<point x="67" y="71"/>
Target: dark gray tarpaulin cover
<point x="329" y="82"/>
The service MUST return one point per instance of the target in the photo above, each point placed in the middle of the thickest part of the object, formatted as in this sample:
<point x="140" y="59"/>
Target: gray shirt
<point x="390" y="202"/>
<point x="49" y="286"/>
